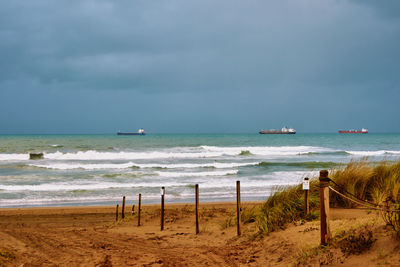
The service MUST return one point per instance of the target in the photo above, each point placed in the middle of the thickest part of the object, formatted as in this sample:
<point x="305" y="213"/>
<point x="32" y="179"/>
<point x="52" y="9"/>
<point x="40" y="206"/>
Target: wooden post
<point x="238" y="208"/>
<point x="197" y="209"/>
<point x="123" y="207"/>
<point x="133" y="209"/>
<point x="306" y="188"/>
<point x="162" y="207"/>
<point x="306" y="202"/>
<point x="140" y="209"/>
<point x="116" y="213"/>
<point x="324" y="204"/>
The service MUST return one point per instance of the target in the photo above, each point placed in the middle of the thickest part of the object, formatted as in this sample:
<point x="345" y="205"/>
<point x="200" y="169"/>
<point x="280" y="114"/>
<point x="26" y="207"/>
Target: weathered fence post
<point x="133" y="209"/>
<point x="197" y="209"/>
<point x="140" y="209"/>
<point x="116" y="213"/>
<point x="324" y="204"/>
<point x="306" y="188"/>
<point x="238" y="207"/>
<point x="162" y="207"/>
<point x="123" y="207"/>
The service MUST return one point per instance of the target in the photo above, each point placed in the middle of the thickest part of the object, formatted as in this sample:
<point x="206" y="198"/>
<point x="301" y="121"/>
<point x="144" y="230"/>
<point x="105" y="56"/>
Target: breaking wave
<point x="374" y="153"/>
<point x="197" y="174"/>
<point x="177" y="153"/>
<point x="306" y="164"/>
<point x="97" y="166"/>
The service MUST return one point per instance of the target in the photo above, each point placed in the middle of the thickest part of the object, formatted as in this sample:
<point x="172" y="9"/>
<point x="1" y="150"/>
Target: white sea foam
<point x="63" y="186"/>
<point x="217" y="165"/>
<point x="96" y="155"/>
<point x="279" y="178"/>
<point x="174" y="153"/>
<point x="148" y="197"/>
<point x="56" y="145"/>
<point x="374" y="153"/>
<point x="291" y="175"/>
<point x="71" y="166"/>
<point x="197" y="174"/>
<point x="33" y="201"/>
<point x="13" y="157"/>
<point x="266" y="150"/>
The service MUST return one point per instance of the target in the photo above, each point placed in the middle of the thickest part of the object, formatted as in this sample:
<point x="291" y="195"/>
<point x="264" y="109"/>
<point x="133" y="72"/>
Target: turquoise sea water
<point x="100" y="169"/>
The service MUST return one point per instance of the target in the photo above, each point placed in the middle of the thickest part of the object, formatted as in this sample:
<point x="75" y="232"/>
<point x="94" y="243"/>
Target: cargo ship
<point x="284" y="130"/>
<point x="362" y="131"/>
<point x="139" y="132"/>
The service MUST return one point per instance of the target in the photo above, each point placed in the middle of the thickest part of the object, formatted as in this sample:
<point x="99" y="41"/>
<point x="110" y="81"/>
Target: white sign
<point x="306" y="184"/>
<point x="162" y="191"/>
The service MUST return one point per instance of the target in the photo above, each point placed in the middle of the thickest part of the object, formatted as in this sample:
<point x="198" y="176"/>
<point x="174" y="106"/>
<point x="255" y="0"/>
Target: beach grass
<point x="375" y="182"/>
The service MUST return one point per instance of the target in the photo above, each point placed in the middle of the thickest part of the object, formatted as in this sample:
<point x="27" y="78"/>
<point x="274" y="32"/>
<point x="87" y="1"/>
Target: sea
<point x="100" y="169"/>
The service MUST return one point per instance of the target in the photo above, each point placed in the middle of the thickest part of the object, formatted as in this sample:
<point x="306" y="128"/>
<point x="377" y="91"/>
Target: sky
<point x="209" y="66"/>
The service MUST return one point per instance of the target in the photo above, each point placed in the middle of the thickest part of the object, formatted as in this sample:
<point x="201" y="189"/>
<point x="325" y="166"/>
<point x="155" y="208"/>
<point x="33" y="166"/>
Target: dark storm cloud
<point x="387" y="8"/>
<point x="267" y="53"/>
<point x="179" y="45"/>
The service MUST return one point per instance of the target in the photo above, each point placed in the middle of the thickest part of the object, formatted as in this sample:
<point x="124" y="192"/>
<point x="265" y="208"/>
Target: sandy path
<point x="89" y="236"/>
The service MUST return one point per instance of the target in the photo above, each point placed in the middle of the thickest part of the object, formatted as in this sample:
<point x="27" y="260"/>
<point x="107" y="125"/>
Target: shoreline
<point x="111" y="209"/>
<point x="149" y="205"/>
<point x="91" y="236"/>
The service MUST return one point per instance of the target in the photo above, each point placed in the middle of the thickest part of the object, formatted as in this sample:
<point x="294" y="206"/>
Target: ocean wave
<point x="34" y="201"/>
<point x="14" y="157"/>
<point x="93" y="186"/>
<point x="197" y="174"/>
<point x="374" y="153"/>
<point x="71" y="166"/>
<point x="294" y="174"/>
<point x="327" y="153"/>
<point x="96" y="155"/>
<point x="267" y="150"/>
<point x="192" y="152"/>
<point x="177" y="153"/>
<point x="56" y="145"/>
<point x="304" y="164"/>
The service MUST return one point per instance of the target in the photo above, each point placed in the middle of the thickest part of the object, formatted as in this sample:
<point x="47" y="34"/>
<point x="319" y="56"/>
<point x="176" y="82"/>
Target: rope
<point x="362" y="200"/>
<point x="360" y="203"/>
<point x="346" y="197"/>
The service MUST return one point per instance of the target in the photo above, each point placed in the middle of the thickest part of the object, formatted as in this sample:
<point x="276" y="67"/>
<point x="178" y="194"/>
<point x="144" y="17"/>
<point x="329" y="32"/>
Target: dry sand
<point x="90" y="236"/>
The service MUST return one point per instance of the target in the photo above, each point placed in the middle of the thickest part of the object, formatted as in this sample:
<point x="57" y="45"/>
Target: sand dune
<point x="90" y="236"/>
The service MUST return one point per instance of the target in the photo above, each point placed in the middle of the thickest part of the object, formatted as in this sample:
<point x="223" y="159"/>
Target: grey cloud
<point x="191" y="46"/>
<point x="386" y="8"/>
<point x="262" y="55"/>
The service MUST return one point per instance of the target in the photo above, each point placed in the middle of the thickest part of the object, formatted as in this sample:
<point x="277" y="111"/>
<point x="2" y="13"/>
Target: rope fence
<point x="391" y="215"/>
<point x="324" y="187"/>
<point x="162" y="217"/>
<point x="360" y="203"/>
<point x="351" y="194"/>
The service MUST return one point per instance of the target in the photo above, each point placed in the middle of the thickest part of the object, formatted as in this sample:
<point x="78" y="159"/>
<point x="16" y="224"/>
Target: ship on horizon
<point x="284" y="130"/>
<point x="139" y="132"/>
<point x="362" y="131"/>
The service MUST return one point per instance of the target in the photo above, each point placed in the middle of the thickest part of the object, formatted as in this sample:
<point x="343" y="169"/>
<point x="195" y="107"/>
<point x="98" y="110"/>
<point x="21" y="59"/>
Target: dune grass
<point x="376" y="182"/>
<point x="285" y="206"/>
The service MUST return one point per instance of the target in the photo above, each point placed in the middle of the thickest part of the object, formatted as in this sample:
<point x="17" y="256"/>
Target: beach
<point x="91" y="236"/>
<point x="60" y="210"/>
<point x="278" y="117"/>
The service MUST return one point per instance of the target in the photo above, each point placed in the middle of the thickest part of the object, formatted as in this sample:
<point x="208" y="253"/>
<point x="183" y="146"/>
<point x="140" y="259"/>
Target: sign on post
<point x="306" y="188"/>
<point x="306" y="183"/>
<point x="162" y="207"/>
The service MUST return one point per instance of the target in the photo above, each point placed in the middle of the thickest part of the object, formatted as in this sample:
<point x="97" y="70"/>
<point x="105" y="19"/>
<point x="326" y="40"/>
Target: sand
<point x="90" y="236"/>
